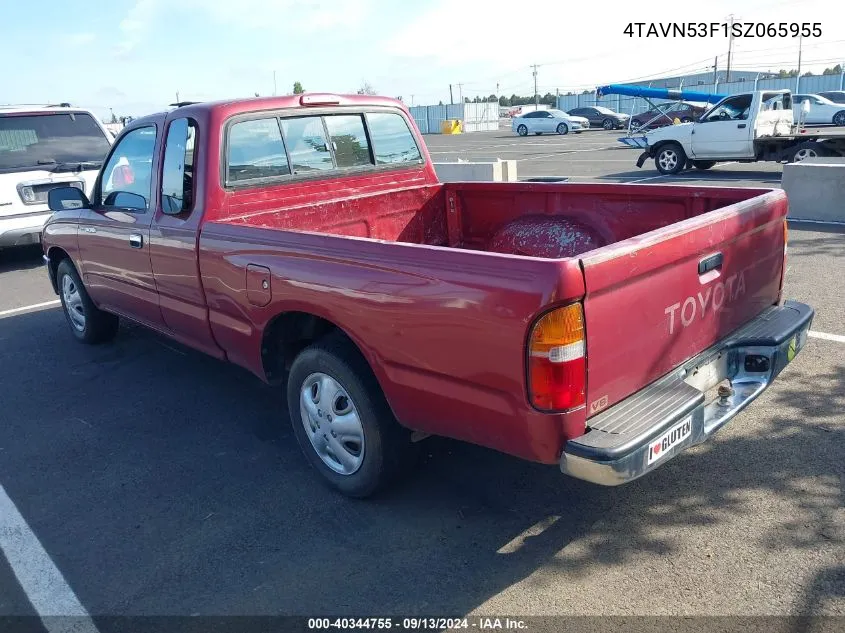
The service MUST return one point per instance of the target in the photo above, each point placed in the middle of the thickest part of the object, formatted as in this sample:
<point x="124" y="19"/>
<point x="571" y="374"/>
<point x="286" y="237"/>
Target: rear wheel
<point x="87" y="322"/>
<point x="703" y="164"/>
<point x="670" y="159"/>
<point x="608" y="124"/>
<point x="839" y="118"/>
<point x="522" y="130"/>
<point x="810" y="149"/>
<point x="342" y="421"/>
<point x="563" y="129"/>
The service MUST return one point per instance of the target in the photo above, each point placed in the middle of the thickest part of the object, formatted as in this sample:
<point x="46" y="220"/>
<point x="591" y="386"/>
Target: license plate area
<point x="708" y="374"/>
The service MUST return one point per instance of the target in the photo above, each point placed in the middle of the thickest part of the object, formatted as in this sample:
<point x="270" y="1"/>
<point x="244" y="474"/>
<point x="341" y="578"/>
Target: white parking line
<point x="35" y="306"/>
<point x="43" y="583"/>
<point x="836" y="338"/>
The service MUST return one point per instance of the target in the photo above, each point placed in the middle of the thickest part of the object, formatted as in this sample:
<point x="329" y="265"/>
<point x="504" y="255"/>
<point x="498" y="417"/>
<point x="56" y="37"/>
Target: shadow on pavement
<point x="164" y="482"/>
<point x="20" y="258"/>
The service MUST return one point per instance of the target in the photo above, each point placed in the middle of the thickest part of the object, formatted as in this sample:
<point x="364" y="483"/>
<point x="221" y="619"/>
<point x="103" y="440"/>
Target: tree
<point x="504" y="101"/>
<point x="491" y="98"/>
<point x="441" y="103"/>
<point x="297" y="88"/>
<point x="807" y="74"/>
<point x="366" y="89"/>
<point x="466" y="100"/>
<point x="836" y="70"/>
<point x="549" y="99"/>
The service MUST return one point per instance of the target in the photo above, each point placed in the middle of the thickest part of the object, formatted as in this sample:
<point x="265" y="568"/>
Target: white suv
<point x="42" y="147"/>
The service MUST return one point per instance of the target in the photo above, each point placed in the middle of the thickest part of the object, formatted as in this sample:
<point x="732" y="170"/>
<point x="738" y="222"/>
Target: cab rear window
<point x="278" y="148"/>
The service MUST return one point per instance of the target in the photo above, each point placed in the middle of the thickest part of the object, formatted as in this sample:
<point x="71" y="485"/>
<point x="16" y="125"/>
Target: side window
<point x="392" y="139"/>
<point x="349" y="140"/>
<point x="177" y="174"/>
<point x="306" y="142"/>
<point x="255" y="150"/>
<point x="733" y="108"/>
<point x="127" y="177"/>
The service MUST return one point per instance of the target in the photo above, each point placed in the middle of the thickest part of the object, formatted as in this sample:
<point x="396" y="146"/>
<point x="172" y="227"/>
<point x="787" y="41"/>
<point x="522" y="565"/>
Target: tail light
<point x="557" y="369"/>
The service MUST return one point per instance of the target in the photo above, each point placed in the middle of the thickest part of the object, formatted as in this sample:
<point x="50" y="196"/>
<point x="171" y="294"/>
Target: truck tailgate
<point x="658" y="299"/>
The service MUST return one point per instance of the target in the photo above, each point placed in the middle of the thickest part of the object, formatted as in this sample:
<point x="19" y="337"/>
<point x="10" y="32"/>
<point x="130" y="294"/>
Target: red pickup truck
<point x="604" y="328"/>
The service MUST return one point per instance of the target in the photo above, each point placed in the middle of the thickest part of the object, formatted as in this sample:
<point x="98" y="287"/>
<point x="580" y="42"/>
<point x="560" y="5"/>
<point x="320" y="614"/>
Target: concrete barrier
<point x="499" y="171"/>
<point x="816" y="189"/>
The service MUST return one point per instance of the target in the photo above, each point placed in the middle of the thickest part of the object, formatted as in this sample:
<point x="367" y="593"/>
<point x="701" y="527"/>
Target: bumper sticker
<point x="671" y="438"/>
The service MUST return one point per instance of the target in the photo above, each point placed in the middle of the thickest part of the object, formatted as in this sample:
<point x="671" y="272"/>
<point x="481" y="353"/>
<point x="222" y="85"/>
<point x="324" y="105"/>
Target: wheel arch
<point x="291" y="331"/>
<point x="55" y="256"/>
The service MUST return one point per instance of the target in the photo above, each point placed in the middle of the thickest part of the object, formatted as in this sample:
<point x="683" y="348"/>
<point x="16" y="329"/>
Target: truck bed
<point x="550" y="221"/>
<point x="438" y="285"/>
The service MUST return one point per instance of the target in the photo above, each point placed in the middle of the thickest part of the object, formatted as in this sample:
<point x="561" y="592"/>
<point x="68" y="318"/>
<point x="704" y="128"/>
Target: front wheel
<point x="563" y="129"/>
<point x="87" y="322"/>
<point x="522" y="130"/>
<point x="342" y="421"/>
<point x="670" y="159"/>
<point x="608" y="124"/>
<point x="839" y="118"/>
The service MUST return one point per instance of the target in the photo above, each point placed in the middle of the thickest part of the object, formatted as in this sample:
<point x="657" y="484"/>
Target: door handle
<point x="136" y="240"/>
<point x="741" y="125"/>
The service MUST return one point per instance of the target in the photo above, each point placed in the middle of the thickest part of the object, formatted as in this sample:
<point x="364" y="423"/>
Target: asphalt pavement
<point x="162" y="482"/>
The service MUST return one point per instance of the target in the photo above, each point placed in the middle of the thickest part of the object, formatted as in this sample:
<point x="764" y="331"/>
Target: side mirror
<point x="126" y="200"/>
<point x="67" y="198"/>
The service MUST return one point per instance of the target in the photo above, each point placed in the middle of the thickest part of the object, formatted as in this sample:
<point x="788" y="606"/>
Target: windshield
<point x="34" y="141"/>
<point x="604" y="110"/>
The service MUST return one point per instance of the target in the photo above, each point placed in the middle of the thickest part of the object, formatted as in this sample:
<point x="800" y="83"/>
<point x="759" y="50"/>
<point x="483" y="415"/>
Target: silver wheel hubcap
<point x="73" y="303"/>
<point x="332" y="424"/>
<point x="608" y="125"/>
<point x="801" y="154"/>
<point x="668" y="159"/>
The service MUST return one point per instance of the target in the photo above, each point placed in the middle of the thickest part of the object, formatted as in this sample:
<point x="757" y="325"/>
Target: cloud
<point x="134" y="27"/>
<point x="78" y="39"/>
<point x="306" y="16"/>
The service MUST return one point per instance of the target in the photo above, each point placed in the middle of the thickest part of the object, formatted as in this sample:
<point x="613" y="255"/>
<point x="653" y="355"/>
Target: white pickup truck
<point x="749" y="127"/>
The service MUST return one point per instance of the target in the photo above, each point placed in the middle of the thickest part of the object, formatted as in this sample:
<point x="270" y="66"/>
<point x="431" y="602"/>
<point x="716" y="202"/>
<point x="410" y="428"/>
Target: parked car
<point x="43" y="147"/>
<point x="599" y="116"/>
<point x="822" y="111"/>
<point x="836" y="96"/>
<point x="666" y="113"/>
<point x="308" y="239"/>
<point x="548" y="122"/>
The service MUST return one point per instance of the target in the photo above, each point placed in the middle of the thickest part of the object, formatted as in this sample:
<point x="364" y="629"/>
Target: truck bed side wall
<point x="443" y="329"/>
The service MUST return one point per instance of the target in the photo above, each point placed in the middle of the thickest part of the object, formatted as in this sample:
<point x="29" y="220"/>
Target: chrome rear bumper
<point x="683" y="408"/>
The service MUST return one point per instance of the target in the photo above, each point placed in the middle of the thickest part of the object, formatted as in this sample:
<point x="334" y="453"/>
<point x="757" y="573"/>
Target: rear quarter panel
<point x="443" y="329"/>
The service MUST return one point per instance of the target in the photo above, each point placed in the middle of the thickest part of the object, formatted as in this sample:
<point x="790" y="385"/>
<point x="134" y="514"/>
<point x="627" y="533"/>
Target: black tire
<point x="95" y="326"/>
<point x="686" y="119"/>
<point x="563" y="129"/>
<point x="635" y="124"/>
<point x="703" y="164"/>
<point x="522" y="130"/>
<point x="608" y="124"/>
<point x="839" y="118"/>
<point x="386" y="449"/>
<point x="670" y="159"/>
<point x="537" y="133"/>
<point x="808" y="149"/>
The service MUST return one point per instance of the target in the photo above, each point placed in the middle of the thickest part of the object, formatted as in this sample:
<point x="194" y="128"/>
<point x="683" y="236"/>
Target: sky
<point x="133" y="56"/>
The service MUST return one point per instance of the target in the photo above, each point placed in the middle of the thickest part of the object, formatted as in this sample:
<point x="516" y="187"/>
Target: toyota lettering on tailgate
<point x="713" y="298"/>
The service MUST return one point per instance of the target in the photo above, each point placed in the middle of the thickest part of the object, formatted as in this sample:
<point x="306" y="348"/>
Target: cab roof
<point x="230" y="107"/>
